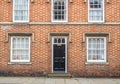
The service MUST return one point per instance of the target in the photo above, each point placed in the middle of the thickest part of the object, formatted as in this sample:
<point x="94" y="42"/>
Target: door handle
<point x="63" y="57"/>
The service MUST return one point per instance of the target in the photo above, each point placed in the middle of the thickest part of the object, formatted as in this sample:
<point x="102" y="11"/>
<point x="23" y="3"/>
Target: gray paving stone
<point x="48" y="81"/>
<point x="71" y="81"/>
<point x="39" y="81"/>
<point x="29" y="81"/>
<point x="60" y="81"/>
<point x="84" y="81"/>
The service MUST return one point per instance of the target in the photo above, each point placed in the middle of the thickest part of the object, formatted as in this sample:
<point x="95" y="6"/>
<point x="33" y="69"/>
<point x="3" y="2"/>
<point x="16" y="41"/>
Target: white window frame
<point x="52" y="15"/>
<point x="103" y="13"/>
<point x="11" y="60"/>
<point x="28" y="13"/>
<point x="104" y="50"/>
<point x="53" y="37"/>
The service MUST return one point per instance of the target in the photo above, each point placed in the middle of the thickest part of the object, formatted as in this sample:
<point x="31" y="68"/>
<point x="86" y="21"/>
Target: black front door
<point x="59" y="57"/>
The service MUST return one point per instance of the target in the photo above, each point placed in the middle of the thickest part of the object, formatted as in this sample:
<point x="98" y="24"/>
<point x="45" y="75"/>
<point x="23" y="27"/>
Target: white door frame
<point x="65" y="51"/>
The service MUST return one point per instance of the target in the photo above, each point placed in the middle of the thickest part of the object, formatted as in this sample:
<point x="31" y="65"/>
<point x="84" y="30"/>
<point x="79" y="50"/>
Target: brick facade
<point x="40" y="26"/>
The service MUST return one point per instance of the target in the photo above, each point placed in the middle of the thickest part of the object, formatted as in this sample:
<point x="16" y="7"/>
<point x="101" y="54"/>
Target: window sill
<point x="99" y="63"/>
<point x="20" y="63"/>
<point x="20" y="22"/>
<point x="96" y="21"/>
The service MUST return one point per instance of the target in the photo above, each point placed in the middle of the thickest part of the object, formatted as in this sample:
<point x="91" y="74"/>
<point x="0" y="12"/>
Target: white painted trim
<point x="20" y="63"/>
<point x="29" y="47"/>
<point x="104" y="51"/>
<point x="66" y="55"/>
<point x="11" y="50"/>
<point x="51" y="10"/>
<point x="65" y="51"/>
<point x="103" y="11"/>
<point x="59" y="21"/>
<point x="11" y="60"/>
<point x="97" y="63"/>
<point x="28" y="13"/>
<point x="103" y="14"/>
<point x="13" y="18"/>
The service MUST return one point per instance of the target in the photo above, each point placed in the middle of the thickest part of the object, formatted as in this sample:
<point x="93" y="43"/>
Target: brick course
<point x="40" y="11"/>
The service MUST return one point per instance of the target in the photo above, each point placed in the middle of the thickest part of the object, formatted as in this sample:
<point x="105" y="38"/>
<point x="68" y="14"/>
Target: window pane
<point x="14" y="57"/>
<point x="14" y="43"/>
<point x="22" y="43"/>
<point x="96" y="3"/>
<point x="27" y="43"/>
<point x="18" y="42"/>
<point x="96" y="15"/>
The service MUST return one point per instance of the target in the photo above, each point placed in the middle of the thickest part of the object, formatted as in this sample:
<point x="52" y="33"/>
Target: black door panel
<point x="59" y="57"/>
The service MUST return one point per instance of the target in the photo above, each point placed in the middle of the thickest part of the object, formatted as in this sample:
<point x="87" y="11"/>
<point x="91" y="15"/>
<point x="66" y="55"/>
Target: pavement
<point x="39" y="80"/>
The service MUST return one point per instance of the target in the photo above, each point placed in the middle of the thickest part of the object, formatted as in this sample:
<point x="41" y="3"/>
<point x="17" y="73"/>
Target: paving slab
<point x="39" y="81"/>
<point x="71" y="81"/>
<point x="59" y="81"/>
<point x="83" y="81"/>
<point x="50" y="81"/>
<point x="29" y="81"/>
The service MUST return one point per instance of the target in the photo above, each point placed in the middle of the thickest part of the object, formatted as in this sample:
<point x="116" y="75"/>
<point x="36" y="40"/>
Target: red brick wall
<point x="41" y="51"/>
<point x="40" y="11"/>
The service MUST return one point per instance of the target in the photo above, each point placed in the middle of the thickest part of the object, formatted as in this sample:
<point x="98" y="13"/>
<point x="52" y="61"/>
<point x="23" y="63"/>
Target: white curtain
<point x="20" y="48"/>
<point x="96" y="48"/>
<point x="21" y="9"/>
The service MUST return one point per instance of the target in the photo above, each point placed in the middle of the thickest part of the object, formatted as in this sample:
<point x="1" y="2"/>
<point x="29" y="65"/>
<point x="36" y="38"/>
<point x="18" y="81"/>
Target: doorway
<point x="59" y="54"/>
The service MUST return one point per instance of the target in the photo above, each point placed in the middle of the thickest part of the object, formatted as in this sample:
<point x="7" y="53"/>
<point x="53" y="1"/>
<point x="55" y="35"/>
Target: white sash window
<point x="96" y="49"/>
<point x="59" y="10"/>
<point x="20" y="10"/>
<point x="20" y="49"/>
<point x="96" y="11"/>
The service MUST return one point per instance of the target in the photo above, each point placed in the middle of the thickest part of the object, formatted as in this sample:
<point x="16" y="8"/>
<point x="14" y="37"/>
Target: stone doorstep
<point x="59" y="75"/>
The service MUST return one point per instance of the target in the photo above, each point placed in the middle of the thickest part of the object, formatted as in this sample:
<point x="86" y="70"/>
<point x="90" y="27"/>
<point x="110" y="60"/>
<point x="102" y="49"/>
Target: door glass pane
<point x="63" y="40"/>
<point x="55" y="40"/>
<point x="59" y="40"/>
